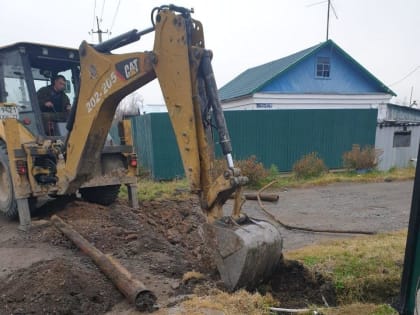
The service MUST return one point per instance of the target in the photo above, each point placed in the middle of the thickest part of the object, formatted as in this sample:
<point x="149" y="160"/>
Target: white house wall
<point x="261" y="101"/>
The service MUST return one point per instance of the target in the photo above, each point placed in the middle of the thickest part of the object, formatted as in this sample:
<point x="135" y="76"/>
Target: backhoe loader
<point x="38" y="157"/>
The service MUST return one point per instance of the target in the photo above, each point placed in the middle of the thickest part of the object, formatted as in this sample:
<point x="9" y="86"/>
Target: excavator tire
<point x="103" y="195"/>
<point x="8" y="204"/>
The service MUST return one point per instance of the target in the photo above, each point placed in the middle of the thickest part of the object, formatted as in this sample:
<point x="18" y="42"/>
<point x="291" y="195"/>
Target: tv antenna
<point x="330" y="8"/>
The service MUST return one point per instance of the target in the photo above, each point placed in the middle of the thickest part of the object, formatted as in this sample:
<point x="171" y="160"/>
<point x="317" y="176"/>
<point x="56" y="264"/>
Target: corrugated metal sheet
<point x="396" y="156"/>
<point x="275" y="137"/>
<point x="402" y="113"/>
<point x="283" y="137"/>
<point x="155" y="145"/>
<point x="113" y="132"/>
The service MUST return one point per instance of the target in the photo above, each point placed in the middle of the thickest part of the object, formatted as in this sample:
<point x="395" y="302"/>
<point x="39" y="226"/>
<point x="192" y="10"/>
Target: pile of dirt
<point x="158" y="243"/>
<point x="58" y="287"/>
<point x="169" y="227"/>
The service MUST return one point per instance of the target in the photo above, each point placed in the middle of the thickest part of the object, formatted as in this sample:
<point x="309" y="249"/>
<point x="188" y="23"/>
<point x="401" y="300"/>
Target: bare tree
<point x="131" y="105"/>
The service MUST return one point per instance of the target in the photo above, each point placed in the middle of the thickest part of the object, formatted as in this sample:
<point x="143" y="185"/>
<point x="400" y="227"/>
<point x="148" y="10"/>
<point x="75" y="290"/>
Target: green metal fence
<point x="276" y="137"/>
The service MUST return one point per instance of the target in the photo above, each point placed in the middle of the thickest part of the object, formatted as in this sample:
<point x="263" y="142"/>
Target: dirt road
<point x="42" y="272"/>
<point x="376" y="207"/>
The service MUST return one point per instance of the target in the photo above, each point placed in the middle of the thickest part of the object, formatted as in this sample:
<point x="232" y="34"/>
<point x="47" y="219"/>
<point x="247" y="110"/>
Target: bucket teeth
<point x="245" y="255"/>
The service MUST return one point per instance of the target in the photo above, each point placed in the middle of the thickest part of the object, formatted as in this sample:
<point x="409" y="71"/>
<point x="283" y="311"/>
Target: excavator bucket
<point x="245" y="254"/>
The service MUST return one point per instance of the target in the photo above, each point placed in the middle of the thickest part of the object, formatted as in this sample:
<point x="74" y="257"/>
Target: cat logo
<point x="128" y="68"/>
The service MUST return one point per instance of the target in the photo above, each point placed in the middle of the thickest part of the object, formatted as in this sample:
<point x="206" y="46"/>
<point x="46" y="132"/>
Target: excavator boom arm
<point x="183" y="67"/>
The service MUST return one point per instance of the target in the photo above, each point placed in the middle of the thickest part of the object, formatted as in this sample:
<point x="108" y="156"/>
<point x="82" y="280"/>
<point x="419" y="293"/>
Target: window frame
<point x="399" y="142"/>
<point x="323" y="67"/>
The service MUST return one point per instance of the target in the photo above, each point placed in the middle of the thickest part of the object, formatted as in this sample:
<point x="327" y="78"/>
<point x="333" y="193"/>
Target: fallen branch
<point x="291" y="227"/>
<point x="133" y="289"/>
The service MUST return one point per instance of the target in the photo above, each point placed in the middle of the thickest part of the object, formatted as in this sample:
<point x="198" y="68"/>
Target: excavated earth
<point x="42" y="272"/>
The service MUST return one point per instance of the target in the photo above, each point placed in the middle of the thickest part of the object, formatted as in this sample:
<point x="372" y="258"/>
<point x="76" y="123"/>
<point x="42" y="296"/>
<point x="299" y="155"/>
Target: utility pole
<point x="99" y="31"/>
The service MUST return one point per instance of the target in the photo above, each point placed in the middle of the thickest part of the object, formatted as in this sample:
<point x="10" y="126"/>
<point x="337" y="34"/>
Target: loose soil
<point x="42" y="272"/>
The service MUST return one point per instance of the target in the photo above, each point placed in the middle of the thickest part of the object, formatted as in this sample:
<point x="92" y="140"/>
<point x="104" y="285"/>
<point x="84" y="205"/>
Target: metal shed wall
<point x="402" y="113"/>
<point x="275" y="137"/>
<point x="396" y="156"/>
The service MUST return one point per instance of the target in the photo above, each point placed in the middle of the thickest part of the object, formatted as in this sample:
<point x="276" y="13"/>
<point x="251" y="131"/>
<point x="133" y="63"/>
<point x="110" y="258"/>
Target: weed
<point x="310" y="165"/>
<point x="385" y="309"/>
<point x="154" y="190"/>
<point x="240" y="302"/>
<point x="249" y="167"/>
<point x="359" y="308"/>
<point x="253" y="169"/>
<point x="361" y="158"/>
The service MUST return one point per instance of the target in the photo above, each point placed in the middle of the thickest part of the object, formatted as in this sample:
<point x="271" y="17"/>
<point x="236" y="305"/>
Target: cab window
<point x="15" y="89"/>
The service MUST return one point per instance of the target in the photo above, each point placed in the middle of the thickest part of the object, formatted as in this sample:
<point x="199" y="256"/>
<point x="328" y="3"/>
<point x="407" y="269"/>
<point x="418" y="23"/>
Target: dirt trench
<point x="158" y="243"/>
<point x="42" y="272"/>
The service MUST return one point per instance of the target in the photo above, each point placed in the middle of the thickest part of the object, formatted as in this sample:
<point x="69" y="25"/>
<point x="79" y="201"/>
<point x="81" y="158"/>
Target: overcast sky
<point x="382" y="35"/>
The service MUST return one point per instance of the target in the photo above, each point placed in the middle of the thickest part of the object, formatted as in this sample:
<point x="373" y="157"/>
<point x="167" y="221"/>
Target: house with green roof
<point x="317" y="100"/>
<point x="323" y="76"/>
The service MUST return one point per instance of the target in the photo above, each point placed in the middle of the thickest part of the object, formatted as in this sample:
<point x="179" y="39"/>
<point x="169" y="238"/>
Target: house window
<point x="323" y="67"/>
<point x="402" y="139"/>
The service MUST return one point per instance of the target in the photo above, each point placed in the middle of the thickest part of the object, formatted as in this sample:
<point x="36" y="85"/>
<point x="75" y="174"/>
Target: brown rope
<point x="292" y="227"/>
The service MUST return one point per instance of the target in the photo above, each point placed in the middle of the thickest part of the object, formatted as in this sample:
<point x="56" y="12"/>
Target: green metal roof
<point x="252" y="80"/>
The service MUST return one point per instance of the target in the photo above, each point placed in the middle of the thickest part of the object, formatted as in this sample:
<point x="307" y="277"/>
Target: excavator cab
<point x="35" y="139"/>
<point x="27" y="67"/>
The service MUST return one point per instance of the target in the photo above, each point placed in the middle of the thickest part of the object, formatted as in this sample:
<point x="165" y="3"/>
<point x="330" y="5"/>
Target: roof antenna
<point x="330" y="6"/>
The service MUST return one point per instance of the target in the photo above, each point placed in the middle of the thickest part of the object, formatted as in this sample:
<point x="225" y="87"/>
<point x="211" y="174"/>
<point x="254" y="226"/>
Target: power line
<point x="102" y="11"/>
<point x="94" y="15"/>
<point x="115" y="16"/>
<point x="406" y="76"/>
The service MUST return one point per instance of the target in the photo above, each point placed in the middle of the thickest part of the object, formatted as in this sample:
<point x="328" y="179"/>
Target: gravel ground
<point x="374" y="207"/>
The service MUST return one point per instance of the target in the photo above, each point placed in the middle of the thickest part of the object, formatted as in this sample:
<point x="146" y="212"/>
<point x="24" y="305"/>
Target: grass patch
<point x="153" y="190"/>
<point x="179" y="188"/>
<point x="361" y="309"/>
<point x="240" y="302"/>
<point x="363" y="269"/>
<point x="289" y="180"/>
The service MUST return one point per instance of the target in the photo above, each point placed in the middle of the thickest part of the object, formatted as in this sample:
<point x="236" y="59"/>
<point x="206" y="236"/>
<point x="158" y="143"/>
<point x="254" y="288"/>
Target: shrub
<point x="249" y="167"/>
<point x="273" y="172"/>
<point x="253" y="169"/>
<point x="361" y="158"/>
<point x="310" y="165"/>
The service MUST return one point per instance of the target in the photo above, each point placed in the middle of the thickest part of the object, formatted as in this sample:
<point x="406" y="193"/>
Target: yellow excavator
<point x="54" y="154"/>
